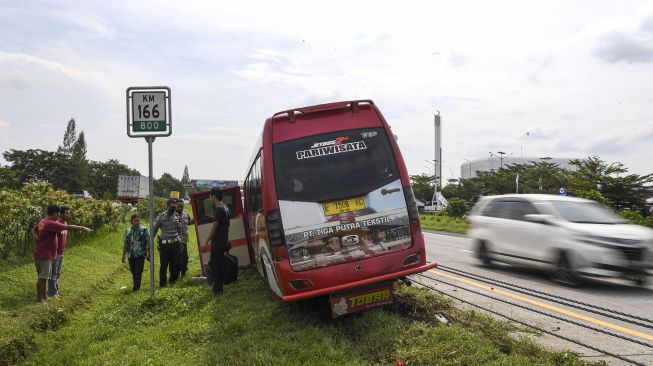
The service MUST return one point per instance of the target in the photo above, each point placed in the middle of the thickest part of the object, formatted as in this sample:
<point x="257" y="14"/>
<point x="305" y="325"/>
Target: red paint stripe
<point x="238" y="242"/>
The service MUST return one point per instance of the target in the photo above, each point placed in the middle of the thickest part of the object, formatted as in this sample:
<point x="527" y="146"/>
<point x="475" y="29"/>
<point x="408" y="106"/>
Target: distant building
<point x="470" y="169"/>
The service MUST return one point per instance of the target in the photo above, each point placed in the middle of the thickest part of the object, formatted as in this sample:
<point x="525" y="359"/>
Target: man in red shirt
<point x="45" y="251"/>
<point x="62" y="239"/>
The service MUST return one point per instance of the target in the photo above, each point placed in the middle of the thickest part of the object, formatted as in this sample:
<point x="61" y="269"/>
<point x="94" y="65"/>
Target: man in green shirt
<point x="135" y="245"/>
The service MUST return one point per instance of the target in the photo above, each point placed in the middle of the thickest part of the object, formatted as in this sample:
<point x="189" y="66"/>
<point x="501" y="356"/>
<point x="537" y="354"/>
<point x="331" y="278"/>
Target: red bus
<point x="328" y="206"/>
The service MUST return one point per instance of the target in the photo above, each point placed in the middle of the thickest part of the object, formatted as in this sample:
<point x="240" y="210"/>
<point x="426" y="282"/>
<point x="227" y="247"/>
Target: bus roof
<point x="323" y="118"/>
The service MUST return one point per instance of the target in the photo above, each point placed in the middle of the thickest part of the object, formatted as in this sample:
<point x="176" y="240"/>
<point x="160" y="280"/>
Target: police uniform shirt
<point x="170" y="226"/>
<point x="185" y="219"/>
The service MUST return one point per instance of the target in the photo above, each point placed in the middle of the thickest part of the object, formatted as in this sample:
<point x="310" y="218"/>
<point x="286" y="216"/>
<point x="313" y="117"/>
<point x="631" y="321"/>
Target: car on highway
<point x="82" y="194"/>
<point x="570" y="237"/>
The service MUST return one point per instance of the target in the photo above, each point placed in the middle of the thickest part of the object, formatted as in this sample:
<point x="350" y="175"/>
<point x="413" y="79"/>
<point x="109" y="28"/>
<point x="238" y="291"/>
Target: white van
<point x="570" y="237"/>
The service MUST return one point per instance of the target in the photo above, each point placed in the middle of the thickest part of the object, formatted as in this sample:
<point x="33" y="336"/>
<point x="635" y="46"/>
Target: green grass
<point x="102" y="322"/>
<point x="87" y="269"/>
<point x="444" y="223"/>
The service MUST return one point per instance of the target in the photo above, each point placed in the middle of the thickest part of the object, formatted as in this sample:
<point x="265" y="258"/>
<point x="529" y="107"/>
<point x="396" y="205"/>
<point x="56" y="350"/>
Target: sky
<point x="550" y="78"/>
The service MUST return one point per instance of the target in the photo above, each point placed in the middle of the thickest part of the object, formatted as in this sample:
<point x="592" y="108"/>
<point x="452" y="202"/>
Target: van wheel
<point x="642" y="281"/>
<point x="484" y="254"/>
<point x="563" y="272"/>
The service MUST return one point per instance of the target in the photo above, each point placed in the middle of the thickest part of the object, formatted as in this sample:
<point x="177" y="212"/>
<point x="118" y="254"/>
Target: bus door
<point x="203" y="211"/>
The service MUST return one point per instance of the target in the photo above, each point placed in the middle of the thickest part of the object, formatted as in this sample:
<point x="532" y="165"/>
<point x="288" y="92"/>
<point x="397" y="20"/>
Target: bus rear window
<point x="334" y="165"/>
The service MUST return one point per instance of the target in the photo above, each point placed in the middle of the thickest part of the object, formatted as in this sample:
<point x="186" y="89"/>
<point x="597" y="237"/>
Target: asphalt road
<point x="615" y="295"/>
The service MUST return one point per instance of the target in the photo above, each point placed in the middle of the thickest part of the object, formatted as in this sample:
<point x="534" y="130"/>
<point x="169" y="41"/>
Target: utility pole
<point x="437" y="158"/>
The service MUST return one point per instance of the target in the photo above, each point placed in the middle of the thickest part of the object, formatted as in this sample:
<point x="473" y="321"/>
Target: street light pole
<point x="501" y="158"/>
<point x="501" y="153"/>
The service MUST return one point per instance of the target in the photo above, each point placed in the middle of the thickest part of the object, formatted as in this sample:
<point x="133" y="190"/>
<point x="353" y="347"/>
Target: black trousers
<point x="136" y="268"/>
<point x="183" y="265"/>
<point x="217" y="267"/>
<point x="169" y="255"/>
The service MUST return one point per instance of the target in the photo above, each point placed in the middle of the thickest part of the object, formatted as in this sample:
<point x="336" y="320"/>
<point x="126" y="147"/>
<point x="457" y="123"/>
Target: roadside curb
<point x="458" y="235"/>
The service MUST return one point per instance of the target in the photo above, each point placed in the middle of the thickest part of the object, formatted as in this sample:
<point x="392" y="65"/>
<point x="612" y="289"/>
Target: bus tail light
<point x="411" y="205"/>
<point x="411" y="259"/>
<point x="275" y="228"/>
<point x="300" y="284"/>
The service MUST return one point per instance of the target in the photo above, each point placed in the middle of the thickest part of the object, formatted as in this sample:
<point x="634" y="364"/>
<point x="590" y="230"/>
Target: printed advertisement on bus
<point x="341" y="199"/>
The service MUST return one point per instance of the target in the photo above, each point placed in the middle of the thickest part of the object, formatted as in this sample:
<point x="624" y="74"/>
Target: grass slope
<point x="444" y="223"/>
<point x="102" y="323"/>
<point x="88" y="268"/>
<point x="245" y="326"/>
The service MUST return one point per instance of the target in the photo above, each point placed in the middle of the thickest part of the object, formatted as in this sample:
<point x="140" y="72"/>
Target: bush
<point x="143" y="207"/>
<point x="636" y="218"/>
<point x="21" y="209"/>
<point x="458" y="207"/>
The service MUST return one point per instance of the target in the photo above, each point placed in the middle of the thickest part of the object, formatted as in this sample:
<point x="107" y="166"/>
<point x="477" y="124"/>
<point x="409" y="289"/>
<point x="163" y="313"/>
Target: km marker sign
<point x="148" y="112"/>
<point x="148" y="116"/>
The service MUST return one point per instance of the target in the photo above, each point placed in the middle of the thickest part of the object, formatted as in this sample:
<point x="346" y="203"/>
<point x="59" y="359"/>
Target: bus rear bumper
<point x="350" y="285"/>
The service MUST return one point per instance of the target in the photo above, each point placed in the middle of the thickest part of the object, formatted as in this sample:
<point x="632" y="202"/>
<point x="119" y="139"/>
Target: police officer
<point x="169" y="242"/>
<point x="186" y="220"/>
<point x="219" y="239"/>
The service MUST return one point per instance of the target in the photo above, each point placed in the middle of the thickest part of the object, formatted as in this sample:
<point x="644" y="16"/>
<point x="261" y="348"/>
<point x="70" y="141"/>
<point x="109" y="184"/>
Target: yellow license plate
<point x="342" y="206"/>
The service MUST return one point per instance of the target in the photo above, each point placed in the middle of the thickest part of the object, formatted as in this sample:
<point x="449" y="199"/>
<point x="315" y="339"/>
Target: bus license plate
<point x="360" y="299"/>
<point x="342" y="206"/>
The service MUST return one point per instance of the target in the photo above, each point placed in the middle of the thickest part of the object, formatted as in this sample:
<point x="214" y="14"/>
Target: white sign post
<point x="148" y="116"/>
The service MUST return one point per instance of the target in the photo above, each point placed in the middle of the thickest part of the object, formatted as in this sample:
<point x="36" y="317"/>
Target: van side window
<point x="258" y="193"/>
<point x="253" y="190"/>
<point x="518" y="209"/>
<point x="494" y="209"/>
<point x="206" y="210"/>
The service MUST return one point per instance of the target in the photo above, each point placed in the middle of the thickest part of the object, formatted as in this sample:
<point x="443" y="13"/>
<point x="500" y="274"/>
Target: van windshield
<point x="334" y="165"/>
<point x="589" y="213"/>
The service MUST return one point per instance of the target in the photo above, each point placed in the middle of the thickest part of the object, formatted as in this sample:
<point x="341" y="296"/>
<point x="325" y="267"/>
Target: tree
<point x="457" y="207"/>
<point x="8" y="178"/>
<point x="164" y="185"/>
<point x="620" y="189"/>
<point x="39" y="165"/>
<point x="103" y="177"/>
<point x="185" y="181"/>
<point x="452" y="190"/>
<point x="78" y="179"/>
<point x="69" y="139"/>
<point x="422" y="186"/>
<point x="538" y="177"/>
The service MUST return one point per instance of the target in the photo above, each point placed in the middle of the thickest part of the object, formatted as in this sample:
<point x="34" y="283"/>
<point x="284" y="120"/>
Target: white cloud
<point x="495" y="71"/>
<point x="23" y="70"/>
<point x="630" y="48"/>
